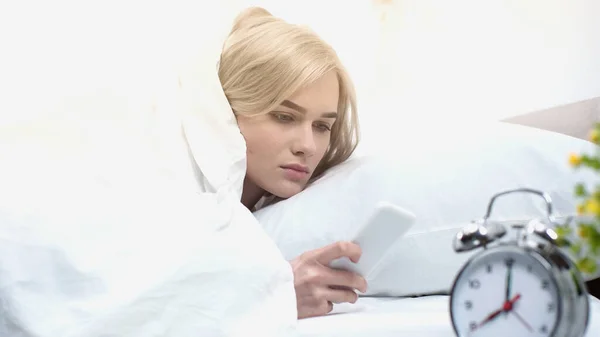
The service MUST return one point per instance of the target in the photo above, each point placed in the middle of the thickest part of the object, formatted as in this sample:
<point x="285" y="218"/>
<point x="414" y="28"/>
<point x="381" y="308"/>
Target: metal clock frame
<point x="538" y="241"/>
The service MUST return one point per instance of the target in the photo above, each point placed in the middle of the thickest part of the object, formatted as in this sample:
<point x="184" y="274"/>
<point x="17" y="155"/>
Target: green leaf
<point x="563" y="242"/>
<point x="580" y="190"/>
<point x="595" y="248"/>
<point x="584" y="230"/>
<point x="597" y="192"/>
<point x="587" y="265"/>
<point x="594" y="241"/>
<point x="563" y="231"/>
<point x="576" y="249"/>
<point x="585" y="159"/>
<point x="591" y="162"/>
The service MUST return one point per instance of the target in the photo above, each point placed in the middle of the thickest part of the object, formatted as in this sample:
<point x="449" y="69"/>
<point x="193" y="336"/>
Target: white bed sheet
<point x="398" y="317"/>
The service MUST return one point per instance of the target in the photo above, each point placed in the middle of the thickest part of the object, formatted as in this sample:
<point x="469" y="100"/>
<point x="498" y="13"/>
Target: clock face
<point x="505" y="292"/>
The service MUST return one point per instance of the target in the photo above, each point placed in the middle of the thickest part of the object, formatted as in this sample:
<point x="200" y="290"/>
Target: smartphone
<point x="387" y="224"/>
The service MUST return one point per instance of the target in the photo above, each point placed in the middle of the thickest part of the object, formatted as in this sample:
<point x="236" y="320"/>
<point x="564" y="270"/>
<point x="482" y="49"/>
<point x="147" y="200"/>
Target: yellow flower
<point x="595" y="136"/>
<point x="592" y="206"/>
<point x="574" y="160"/>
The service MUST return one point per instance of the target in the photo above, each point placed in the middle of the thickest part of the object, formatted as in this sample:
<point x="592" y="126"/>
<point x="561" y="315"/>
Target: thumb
<point x="337" y="250"/>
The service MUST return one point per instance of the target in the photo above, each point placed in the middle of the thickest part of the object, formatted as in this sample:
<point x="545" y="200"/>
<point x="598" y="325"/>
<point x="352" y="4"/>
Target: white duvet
<point x="120" y="184"/>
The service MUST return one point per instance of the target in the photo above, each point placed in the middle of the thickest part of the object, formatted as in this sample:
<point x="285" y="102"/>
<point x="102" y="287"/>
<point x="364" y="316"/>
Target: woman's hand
<point x="318" y="286"/>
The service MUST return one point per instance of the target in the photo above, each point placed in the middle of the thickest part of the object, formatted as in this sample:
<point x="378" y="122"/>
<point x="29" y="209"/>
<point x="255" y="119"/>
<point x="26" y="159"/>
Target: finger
<point x="342" y="279"/>
<point x="323" y="308"/>
<point x="338" y="295"/>
<point x="337" y="250"/>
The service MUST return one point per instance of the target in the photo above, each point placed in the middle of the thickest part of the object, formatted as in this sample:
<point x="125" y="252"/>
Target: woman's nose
<point x="305" y="142"/>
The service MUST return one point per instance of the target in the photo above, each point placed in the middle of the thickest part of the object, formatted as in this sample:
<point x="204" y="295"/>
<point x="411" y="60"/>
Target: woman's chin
<point x="287" y="189"/>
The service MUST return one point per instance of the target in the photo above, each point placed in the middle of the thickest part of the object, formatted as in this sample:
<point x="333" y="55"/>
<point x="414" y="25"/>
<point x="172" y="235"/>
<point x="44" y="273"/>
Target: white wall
<point x="489" y="59"/>
<point x="461" y="59"/>
<point x="437" y="61"/>
<point x="429" y="60"/>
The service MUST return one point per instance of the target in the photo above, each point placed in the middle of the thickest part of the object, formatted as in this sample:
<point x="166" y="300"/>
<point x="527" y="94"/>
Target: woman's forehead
<point x="319" y="97"/>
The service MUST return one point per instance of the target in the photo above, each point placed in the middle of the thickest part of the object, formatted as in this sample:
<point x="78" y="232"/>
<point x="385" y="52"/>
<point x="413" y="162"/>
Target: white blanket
<point x="120" y="187"/>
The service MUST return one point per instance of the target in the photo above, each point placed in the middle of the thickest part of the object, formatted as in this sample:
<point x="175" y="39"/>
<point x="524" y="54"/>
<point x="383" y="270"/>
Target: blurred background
<point x="422" y="60"/>
<point x="461" y="60"/>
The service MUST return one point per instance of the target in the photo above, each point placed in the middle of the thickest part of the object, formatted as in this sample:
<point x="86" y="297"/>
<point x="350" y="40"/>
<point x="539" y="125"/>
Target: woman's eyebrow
<point x="292" y="105"/>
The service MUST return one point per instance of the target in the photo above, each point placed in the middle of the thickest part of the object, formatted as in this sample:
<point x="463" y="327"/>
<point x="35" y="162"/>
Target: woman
<point x="118" y="217"/>
<point x="296" y="108"/>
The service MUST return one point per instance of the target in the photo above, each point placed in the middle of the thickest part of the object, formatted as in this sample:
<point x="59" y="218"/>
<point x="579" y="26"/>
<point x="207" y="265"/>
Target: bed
<point x="396" y="317"/>
<point x="446" y="185"/>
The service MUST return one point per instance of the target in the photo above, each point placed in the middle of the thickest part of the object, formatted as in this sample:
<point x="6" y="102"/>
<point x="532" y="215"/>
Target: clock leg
<point x="593" y="287"/>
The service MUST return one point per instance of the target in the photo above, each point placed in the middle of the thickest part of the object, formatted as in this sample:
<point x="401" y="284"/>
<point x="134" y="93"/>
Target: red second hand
<point x="489" y="318"/>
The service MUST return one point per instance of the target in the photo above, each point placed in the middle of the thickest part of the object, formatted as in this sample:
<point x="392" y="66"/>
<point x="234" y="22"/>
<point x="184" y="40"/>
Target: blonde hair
<point x="265" y="60"/>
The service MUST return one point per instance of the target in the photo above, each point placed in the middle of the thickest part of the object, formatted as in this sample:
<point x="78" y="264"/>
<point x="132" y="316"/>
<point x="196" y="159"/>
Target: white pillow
<point x="446" y="183"/>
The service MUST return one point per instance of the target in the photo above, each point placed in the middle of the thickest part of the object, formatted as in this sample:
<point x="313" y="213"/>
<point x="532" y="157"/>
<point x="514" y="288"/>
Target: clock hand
<point x="508" y="305"/>
<point x="522" y="320"/>
<point x="508" y="282"/>
<point x="489" y="318"/>
<point x="505" y="308"/>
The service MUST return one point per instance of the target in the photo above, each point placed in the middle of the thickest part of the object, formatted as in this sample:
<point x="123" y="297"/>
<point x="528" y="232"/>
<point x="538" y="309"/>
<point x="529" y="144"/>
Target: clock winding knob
<point x="540" y="230"/>
<point x="478" y="234"/>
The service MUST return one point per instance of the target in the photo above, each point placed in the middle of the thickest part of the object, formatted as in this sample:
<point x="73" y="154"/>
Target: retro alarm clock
<point x="523" y="286"/>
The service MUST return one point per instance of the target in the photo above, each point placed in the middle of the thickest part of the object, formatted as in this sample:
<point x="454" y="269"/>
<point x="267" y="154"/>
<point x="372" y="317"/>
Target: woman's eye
<point x="323" y="127"/>
<point x="283" y="118"/>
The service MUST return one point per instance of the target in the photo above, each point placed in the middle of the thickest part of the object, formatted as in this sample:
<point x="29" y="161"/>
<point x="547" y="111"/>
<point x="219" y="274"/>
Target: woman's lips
<point x="294" y="174"/>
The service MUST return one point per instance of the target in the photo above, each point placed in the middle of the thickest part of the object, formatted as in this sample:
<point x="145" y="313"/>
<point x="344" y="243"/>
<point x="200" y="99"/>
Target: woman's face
<point x="285" y="146"/>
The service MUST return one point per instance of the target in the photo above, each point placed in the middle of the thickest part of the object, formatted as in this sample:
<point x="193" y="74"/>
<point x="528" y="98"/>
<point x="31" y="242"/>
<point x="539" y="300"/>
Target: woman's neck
<point x="251" y="194"/>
